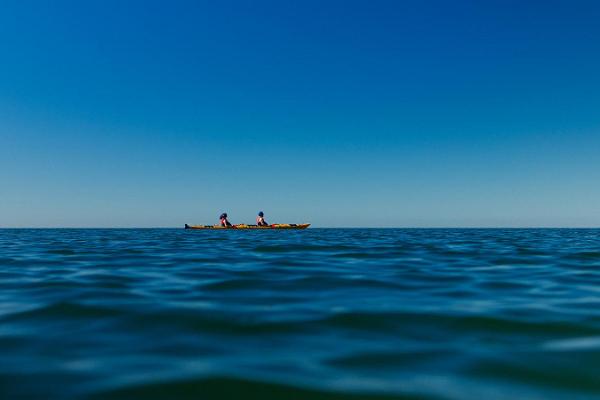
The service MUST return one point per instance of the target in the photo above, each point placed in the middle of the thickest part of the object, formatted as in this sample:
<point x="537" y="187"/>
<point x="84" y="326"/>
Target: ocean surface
<point x="316" y="314"/>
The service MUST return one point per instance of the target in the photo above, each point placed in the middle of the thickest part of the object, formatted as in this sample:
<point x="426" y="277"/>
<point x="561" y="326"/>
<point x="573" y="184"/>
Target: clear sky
<point x="339" y="113"/>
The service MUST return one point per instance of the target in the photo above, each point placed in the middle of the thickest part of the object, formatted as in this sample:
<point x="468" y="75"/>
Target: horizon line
<point x="314" y="227"/>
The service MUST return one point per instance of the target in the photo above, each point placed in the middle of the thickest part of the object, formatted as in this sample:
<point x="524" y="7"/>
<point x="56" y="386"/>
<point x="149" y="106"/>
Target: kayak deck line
<point x="244" y="226"/>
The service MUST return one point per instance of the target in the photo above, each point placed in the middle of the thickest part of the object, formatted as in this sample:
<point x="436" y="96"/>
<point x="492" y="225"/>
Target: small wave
<point x="290" y="248"/>
<point x="574" y="344"/>
<point x="235" y="388"/>
<point x="65" y="310"/>
<point x="387" y="359"/>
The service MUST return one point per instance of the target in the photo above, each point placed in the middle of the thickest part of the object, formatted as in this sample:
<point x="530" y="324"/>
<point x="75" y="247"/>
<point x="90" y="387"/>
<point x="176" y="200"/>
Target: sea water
<point x="315" y="314"/>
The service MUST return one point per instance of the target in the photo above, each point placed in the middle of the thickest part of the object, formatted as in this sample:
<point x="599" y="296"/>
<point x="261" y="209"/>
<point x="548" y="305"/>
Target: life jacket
<point x="261" y="221"/>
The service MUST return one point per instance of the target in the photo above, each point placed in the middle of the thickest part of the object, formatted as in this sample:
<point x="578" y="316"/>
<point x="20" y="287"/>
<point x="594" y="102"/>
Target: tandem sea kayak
<point x="244" y="226"/>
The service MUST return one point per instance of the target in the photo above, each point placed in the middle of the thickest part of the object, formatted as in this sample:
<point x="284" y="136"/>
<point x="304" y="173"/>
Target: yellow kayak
<point x="244" y="226"/>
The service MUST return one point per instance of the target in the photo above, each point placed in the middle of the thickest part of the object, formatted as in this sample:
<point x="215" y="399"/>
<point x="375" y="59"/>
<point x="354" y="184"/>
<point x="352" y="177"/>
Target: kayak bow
<point x="244" y="226"/>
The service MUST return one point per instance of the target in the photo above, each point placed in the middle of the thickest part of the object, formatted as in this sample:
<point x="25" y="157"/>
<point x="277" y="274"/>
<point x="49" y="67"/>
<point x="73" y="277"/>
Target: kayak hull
<point x="244" y="226"/>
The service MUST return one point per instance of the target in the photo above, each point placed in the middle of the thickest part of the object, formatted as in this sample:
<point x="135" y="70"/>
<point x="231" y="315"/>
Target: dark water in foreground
<point x="315" y="314"/>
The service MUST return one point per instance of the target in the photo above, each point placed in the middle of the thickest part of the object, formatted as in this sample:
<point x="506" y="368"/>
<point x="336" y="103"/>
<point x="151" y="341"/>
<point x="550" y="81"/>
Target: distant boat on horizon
<point x="245" y="226"/>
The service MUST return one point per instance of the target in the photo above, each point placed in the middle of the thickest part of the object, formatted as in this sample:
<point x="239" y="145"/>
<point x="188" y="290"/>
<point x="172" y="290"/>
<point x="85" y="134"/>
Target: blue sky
<point x="339" y="113"/>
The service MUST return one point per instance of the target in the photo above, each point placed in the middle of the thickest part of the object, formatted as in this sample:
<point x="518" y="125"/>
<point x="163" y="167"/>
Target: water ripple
<point x="319" y="314"/>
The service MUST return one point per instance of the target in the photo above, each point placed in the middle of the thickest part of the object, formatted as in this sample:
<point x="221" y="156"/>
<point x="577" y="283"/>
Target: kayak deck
<point x="244" y="226"/>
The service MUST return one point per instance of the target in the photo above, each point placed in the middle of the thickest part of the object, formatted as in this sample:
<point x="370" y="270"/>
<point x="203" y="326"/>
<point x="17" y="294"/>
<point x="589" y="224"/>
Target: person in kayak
<point x="260" y="220"/>
<point x="224" y="221"/>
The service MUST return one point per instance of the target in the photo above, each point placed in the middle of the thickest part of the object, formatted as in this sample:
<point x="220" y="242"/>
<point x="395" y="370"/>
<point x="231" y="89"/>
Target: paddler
<point x="260" y="220"/>
<point x="224" y="221"/>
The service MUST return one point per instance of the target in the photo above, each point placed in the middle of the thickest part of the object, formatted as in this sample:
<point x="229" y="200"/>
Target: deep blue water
<point x="315" y="314"/>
